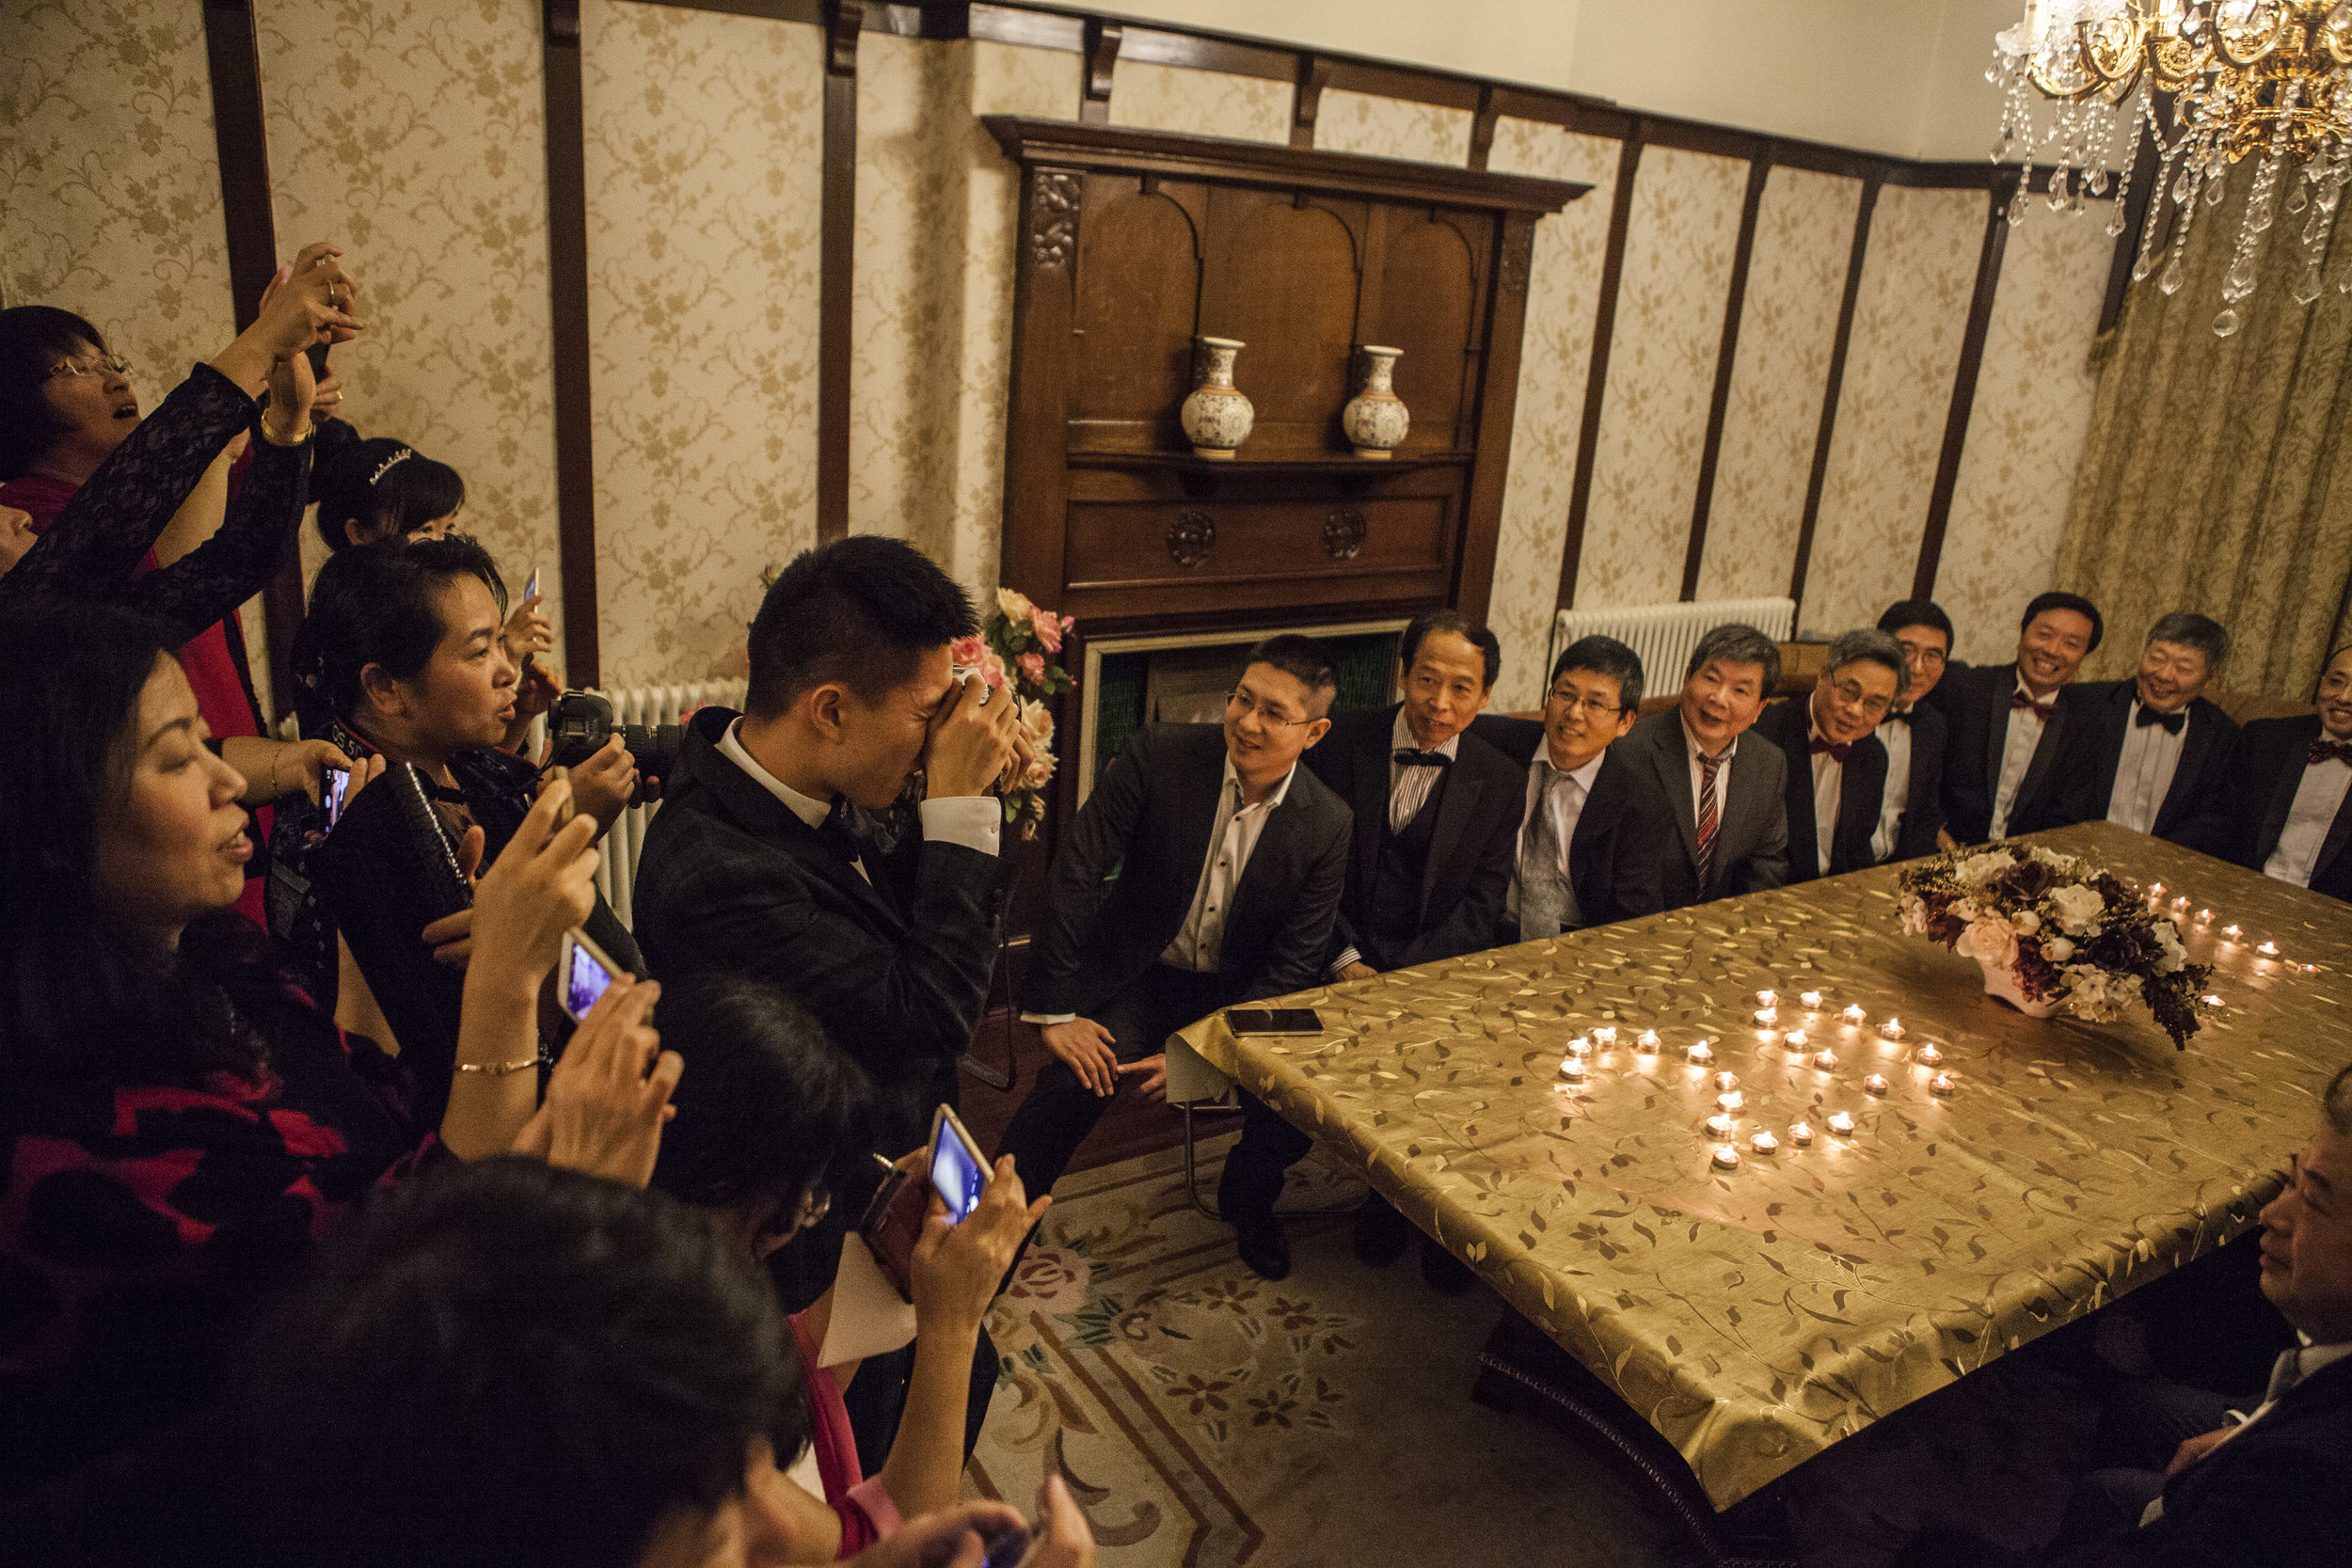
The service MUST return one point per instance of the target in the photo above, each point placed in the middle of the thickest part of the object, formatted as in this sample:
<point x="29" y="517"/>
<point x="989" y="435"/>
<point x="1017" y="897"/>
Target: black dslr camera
<point x="580" y="722"/>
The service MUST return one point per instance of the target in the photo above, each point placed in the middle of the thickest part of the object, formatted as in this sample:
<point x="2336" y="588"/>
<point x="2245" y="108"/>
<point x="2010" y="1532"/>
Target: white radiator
<point x="616" y="878"/>
<point x="1664" y="634"/>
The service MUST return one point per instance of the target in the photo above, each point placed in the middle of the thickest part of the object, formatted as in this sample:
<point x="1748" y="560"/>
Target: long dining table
<point x="1756" y="1313"/>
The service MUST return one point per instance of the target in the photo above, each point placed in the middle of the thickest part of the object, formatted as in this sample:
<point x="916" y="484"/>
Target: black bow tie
<point x="1897" y="716"/>
<point x="2172" y="722"/>
<point x="1407" y="757"/>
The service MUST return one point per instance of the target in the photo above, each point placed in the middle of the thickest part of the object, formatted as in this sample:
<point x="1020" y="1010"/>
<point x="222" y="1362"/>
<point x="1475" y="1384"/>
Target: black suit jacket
<point x="897" y="970"/>
<point x="2098" y="717"/>
<point x="1124" y="877"/>
<point x="1975" y="701"/>
<point x="2243" y="804"/>
<point x="2278" y="1492"/>
<point x="1923" y="803"/>
<point x="1618" y="855"/>
<point x="1861" y="794"/>
<point x="1752" y="820"/>
<point x="1468" y="875"/>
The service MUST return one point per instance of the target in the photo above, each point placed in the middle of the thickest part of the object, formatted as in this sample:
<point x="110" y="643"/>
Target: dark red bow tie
<point x="2323" y="750"/>
<point x="1836" y="749"/>
<point x="2041" y="710"/>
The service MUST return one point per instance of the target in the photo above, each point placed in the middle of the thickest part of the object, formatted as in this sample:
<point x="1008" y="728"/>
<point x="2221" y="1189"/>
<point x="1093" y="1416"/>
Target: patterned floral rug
<point x="1206" y="1417"/>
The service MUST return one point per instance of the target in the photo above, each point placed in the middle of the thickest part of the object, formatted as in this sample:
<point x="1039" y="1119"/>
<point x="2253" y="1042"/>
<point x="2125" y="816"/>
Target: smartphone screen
<point x="957" y="1173"/>
<point x="530" y="588"/>
<point x="334" y="788"/>
<point x="586" y="975"/>
<point x="1274" y="1020"/>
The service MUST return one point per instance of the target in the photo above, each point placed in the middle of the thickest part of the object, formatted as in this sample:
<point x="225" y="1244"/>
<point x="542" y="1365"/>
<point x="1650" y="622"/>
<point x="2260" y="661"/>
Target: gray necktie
<point x="1547" y="902"/>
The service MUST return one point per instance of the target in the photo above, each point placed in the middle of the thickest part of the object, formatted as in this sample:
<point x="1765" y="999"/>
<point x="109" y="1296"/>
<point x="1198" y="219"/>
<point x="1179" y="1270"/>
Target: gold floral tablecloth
<point x="1754" y="1315"/>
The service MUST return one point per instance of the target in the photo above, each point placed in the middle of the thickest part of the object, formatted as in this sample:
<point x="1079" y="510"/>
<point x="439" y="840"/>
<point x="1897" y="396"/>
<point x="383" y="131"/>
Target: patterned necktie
<point x="2172" y="722"/>
<point x="1708" y="767"/>
<point x="1836" y="750"/>
<point x="1547" y="902"/>
<point x="2324" y="750"/>
<point x="2041" y="710"/>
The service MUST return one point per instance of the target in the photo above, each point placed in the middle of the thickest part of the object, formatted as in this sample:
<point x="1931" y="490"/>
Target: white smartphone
<point x="334" y="789"/>
<point x="958" y="1169"/>
<point x="587" y="972"/>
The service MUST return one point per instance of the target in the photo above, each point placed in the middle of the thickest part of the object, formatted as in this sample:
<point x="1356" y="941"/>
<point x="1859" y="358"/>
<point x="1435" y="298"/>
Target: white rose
<point x="2076" y="907"/>
<point x="1015" y="603"/>
<point x="1982" y="868"/>
<point x="2057" y="949"/>
<point x="1989" y="940"/>
<point x="2064" y="864"/>
<point x="2026" y="922"/>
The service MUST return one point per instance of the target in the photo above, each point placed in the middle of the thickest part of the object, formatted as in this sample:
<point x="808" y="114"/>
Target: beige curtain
<point x="2217" y="477"/>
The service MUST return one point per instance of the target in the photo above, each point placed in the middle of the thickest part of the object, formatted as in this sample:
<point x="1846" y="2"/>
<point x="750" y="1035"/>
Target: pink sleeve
<point x="867" y="1515"/>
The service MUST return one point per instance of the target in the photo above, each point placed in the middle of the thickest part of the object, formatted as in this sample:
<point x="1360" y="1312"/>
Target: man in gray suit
<point x="1730" y="800"/>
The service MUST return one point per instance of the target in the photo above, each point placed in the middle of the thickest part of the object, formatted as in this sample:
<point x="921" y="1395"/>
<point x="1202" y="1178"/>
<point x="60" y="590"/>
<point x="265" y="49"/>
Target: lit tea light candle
<point x="1699" y="1053"/>
<point x="1801" y="1133"/>
<point x="1647" y="1040"/>
<point x="2268" y="949"/>
<point x="1572" y="1066"/>
<point x="2233" y="932"/>
<point x="1606" y="1034"/>
<point x="1580" y="1046"/>
<point x="1764" y="1143"/>
<point x="1726" y="1080"/>
<point x="2204" y="914"/>
<point x="1840" y="1122"/>
<point x="1726" y="1157"/>
<point x="1733" y="1101"/>
<point x="1768" y="998"/>
<point x="1812" y="1001"/>
<point x="2155" y="889"/>
<point x="1722" y="1126"/>
<point x="1794" y="1040"/>
<point x="1767" y="1016"/>
<point x="1930" y="1054"/>
<point x="2182" y="902"/>
<point x="1825" y="1058"/>
<point x="1854" y="1014"/>
<point x="1941" y="1084"/>
<point x="1876" y="1083"/>
<point x="1892" y="1028"/>
<point x="2211" y="1000"/>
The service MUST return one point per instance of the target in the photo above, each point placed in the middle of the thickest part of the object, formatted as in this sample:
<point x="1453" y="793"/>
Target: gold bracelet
<point x="498" y="1069"/>
<point x="307" y="429"/>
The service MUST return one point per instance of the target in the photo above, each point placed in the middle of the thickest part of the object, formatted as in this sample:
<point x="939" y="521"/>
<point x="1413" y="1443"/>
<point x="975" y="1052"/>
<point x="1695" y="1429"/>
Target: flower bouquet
<point x="2053" y="931"/>
<point x="1019" y="649"/>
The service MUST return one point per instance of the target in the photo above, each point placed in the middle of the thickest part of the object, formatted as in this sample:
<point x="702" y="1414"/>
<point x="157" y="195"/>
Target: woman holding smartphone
<point x="771" y="1123"/>
<point x="182" y="1120"/>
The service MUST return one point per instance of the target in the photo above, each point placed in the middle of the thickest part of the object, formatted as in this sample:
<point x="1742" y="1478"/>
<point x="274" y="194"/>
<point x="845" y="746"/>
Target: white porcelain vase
<point x="1375" y="420"/>
<point x="1218" y="415"/>
<point x="2001" y="983"/>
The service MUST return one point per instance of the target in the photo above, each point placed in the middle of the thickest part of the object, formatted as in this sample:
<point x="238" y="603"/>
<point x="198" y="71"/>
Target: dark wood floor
<point x="1130" y="1127"/>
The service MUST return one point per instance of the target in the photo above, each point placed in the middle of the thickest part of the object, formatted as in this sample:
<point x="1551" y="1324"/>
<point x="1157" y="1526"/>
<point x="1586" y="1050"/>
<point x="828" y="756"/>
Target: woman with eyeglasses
<point x="771" y="1123"/>
<point x="104" y="504"/>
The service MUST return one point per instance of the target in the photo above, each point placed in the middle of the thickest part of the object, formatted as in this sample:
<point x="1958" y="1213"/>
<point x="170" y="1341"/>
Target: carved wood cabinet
<point x="1133" y="241"/>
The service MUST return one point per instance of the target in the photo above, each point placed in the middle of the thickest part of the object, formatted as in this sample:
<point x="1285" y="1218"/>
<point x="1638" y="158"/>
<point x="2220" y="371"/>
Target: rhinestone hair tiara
<point x="402" y="455"/>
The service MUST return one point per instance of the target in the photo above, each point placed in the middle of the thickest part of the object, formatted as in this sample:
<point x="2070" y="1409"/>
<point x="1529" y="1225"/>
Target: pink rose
<point x="966" y="653"/>
<point x="1032" y="667"/>
<point x="1048" y="630"/>
<point x="992" y="671"/>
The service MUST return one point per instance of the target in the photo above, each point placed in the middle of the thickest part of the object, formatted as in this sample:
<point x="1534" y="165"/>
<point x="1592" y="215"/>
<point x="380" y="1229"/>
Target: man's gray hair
<point x="1739" y="644"/>
<point x="1864" y="645"/>
<point x="2191" y="630"/>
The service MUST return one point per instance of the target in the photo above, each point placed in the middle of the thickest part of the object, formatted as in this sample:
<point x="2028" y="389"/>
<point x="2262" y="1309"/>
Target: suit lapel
<point x="2204" y="731"/>
<point x="1196" y="792"/>
<point x="1668" y="757"/>
<point x="1457" y="808"/>
<point x="1861" y="793"/>
<point x="2339" y="834"/>
<point x="1996" y="699"/>
<point x="2283" y="786"/>
<point x="1369" y="772"/>
<point x="2045" y="756"/>
<point x="759" y="812"/>
<point x="2110" y="724"/>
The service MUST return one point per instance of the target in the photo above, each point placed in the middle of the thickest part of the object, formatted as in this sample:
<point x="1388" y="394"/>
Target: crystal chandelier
<point x="2210" y="82"/>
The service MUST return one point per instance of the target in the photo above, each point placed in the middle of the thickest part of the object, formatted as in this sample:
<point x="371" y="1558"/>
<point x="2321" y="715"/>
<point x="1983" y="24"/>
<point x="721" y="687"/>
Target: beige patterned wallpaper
<point x="1788" y="325"/>
<point x="422" y="149"/>
<point x="1555" y="355"/>
<point x="1662" y="374"/>
<point x="1391" y="127"/>
<point x="2025" y="433"/>
<point x="1901" y="360"/>
<point x="704" y="179"/>
<point x="109" y="182"/>
<point x="1200" y="103"/>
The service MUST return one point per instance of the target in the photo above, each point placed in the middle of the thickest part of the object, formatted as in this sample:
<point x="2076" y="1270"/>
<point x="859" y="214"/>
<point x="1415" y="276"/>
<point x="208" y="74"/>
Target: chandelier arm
<point x="2333" y="44"/>
<point x="2224" y="44"/>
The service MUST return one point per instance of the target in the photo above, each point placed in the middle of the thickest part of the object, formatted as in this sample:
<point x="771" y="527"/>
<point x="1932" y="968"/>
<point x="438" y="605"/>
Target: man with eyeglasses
<point x="1203" y="871"/>
<point x="1836" y="768"/>
<point x="1910" y="811"/>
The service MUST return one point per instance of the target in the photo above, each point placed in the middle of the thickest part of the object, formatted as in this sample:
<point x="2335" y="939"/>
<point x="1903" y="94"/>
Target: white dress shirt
<point x="1567" y="808"/>
<point x="1698" y="780"/>
<point x="1409" y="787"/>
<point x="1829" y="792"/>
<point x="1896" y="738"/>
<point x="972" y="820"/>
<point x="1233" y="839"/>
<point x="2318" y="800"/>
<point x="2143" y="773"/>
<point x="2025" y="733"/>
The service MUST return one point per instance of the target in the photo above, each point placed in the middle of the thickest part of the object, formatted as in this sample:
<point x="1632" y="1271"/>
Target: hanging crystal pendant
<point x="2225" y="324"/>
<point x="2170" y="281"/>
<point x="2307" y="290"/>
<point x="2303" y="196"/>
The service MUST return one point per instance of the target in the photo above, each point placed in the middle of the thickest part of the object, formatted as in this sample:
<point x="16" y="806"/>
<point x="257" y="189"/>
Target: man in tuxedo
<point x="1728" y="800"/>
<point x="1204" y="870"/>
<point x="753" y="865"/>
<point x="2281" y="802"/>
<point x="1836" y="768"/>
<point x="2005" y="722"/>
<point x="2136" y="751"/>
<point x="1435" y="811"/>
<point x="1593" y="836"/>
<point x="1910" y="812"/>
